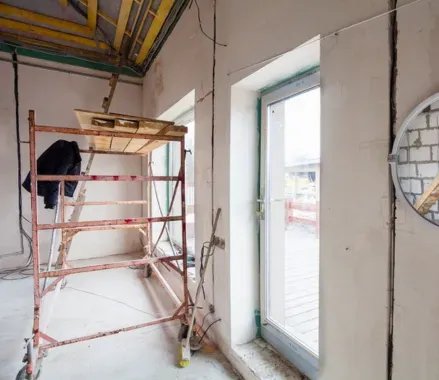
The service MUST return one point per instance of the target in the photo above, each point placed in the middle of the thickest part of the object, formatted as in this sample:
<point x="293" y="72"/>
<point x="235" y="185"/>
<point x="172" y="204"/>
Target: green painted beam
<point x="74" y="61"/>
<point x="305" y="71"/>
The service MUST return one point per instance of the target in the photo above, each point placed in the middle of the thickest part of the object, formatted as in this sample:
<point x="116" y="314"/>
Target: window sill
<point x="261" y="361"/>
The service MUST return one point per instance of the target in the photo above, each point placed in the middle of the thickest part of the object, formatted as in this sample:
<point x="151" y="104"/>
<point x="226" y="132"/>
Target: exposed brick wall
<point x="418" y="161"/>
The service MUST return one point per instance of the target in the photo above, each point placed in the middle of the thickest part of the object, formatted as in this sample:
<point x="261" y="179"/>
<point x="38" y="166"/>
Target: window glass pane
<point x="293" y="216"/>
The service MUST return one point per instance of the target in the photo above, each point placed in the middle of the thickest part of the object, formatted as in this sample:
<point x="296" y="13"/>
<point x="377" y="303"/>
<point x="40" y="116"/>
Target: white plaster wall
<point x="53" y="96"/>
<point x="354" y="175"/>
<point x="417" y="259"/>
<point x="354" y="82"/>
<point x="244" y="266"/>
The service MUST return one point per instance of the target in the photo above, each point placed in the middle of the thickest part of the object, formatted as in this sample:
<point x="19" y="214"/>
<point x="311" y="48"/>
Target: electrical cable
<point x="201" y="24"/>
<point x="204" y="319"/>
<point x="205" y="332"/>
<point x="336" y="33"/>
<point x="205" y="246"/>
<point x="118" y="301"/>
<point x="5" y="274"/>
<point x="212" y="171"/>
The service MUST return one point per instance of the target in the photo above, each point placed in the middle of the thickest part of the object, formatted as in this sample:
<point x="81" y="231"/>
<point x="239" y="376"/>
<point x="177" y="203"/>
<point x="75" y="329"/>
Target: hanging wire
<point x="318" y="40"/>
<point x="203" y="248"/>
<point x="205" y="332"/>
<point x="22" y="270"/>
<point x="201" y="24"/>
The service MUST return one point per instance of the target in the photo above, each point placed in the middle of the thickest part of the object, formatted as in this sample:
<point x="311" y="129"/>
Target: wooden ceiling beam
<point x="38" y="18"/>
<point x="154" y="30"/>
<point x="139" y="29"/>
<point x="92" y="14"/>
<point x="110" y="20"/>
<point x="122" y="21"/>
<point x="49" y="33"/>
<point x="61" y="48"/>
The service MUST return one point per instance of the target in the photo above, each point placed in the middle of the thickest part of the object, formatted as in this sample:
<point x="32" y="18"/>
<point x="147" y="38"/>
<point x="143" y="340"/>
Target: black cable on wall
<point x="7" y="273"/>
<point x="18" y="145"/>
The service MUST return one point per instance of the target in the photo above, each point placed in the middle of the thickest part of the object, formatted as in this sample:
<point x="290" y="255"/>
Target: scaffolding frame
<point x="41" y="341"/>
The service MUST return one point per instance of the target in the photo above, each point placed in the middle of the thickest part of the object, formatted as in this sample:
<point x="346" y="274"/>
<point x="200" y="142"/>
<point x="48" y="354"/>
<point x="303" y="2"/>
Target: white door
<point x="290" y="182"/>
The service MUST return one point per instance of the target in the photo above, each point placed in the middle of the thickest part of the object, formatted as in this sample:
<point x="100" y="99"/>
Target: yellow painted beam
<point x="124" y="14"/>
<point x="40" y="31"/>
<point x="92" y="14"/>
<point x="63" y="48"/>
<point x="140" y="28"/>
<point x="38" y="18"/>
<point x="63" y="3"/>
<point x="156" y="25"/>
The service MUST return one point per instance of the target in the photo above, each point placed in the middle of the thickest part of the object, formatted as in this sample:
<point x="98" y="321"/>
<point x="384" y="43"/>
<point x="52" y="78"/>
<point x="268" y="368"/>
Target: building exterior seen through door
<point x="290" y="183"/>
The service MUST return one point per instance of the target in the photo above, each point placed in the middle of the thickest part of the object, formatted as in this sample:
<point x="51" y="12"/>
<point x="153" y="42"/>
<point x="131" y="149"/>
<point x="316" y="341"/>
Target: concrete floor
<point x="103" y="301"/>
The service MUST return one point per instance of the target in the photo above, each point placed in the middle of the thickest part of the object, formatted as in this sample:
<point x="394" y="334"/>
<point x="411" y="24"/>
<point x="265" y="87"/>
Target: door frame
<point x="301" y="357"/>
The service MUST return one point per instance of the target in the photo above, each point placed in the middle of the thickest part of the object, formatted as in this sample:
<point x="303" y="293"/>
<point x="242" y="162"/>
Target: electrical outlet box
<point x="219" y="242"/>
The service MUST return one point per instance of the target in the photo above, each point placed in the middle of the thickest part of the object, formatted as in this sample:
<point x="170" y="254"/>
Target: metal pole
<point x="183" y="223"/>
<point x="53" y="238"/>
<point x="34" y="207"/>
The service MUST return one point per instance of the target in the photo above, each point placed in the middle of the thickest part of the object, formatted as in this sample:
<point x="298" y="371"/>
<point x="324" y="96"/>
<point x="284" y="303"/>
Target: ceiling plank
<point x="124" y="14"/>
<point x="62" y="48"/>
<point x="64" y="3"/>
<point x="40" y="31"/>
<point x="92" y="14"/>
<point x="140" y="28"/>
<point x="156" y="26"/>
<point x="23" y="14"/>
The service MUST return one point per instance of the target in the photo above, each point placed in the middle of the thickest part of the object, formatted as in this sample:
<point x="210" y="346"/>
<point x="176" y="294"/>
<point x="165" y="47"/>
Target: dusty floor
<point x="96" y="302"/>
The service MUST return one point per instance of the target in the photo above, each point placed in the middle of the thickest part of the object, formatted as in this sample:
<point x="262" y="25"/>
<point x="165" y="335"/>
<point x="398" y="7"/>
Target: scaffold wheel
<point x="22" y="375"/>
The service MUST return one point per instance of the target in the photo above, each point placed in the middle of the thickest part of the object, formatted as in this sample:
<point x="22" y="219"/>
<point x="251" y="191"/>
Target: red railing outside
<point x="302" y="213"/>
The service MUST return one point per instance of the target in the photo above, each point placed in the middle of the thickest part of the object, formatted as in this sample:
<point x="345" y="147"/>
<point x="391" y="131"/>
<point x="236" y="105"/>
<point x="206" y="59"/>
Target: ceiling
<point x="101" y="34"/>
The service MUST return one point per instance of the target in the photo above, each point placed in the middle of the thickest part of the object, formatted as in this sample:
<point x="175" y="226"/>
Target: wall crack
<point x="393" y="71"/>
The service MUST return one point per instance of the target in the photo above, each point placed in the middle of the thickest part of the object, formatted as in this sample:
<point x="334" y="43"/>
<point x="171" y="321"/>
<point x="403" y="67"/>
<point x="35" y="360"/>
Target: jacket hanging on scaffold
<point x="61" y="158"/>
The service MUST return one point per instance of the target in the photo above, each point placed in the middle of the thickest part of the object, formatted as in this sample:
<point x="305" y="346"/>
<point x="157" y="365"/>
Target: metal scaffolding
<point x="41" y="341"/>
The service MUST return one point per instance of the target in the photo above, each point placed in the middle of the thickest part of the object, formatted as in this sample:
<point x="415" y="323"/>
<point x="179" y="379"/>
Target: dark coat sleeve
<point x="70" y="186"/>
<point x="61" y="158"/>
<point x="52" y="187"/>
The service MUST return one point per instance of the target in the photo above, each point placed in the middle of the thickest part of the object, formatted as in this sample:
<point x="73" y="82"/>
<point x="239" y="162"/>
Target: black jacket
<point x="61" y="158"/>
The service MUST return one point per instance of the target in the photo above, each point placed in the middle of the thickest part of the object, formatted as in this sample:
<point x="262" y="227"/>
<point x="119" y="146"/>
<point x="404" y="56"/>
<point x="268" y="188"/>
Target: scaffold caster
<point x="148" y="271"/>
<point x="22" y="375"/>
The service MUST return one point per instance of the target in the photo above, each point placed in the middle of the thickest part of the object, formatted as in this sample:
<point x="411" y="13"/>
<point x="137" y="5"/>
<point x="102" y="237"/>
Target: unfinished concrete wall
<point x="53" y="95"/>
<point x="416" y="262"/>
<point x="354" y="82"/>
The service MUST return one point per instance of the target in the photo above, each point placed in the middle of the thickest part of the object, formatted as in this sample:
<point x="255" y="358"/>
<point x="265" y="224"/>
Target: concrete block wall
<point x="418" y="163"/>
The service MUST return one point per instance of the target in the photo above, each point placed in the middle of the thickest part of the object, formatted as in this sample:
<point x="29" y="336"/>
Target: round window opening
<point x="415" y="159"/>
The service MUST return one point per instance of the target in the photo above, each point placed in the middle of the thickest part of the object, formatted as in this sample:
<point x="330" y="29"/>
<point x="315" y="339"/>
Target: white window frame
<point x="302" y="358"/>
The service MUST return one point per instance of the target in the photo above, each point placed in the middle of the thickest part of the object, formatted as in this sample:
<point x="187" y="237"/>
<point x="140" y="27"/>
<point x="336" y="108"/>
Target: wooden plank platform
<point x="129" y="124"/>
